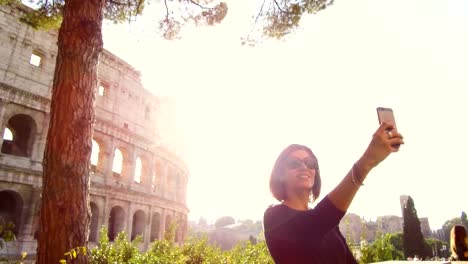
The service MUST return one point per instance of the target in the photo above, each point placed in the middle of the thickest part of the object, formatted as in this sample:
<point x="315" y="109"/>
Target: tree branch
<point x="167" y="11"/>
<point x="280" y="9"/>
<point x="197" y="4"/>
<point x="115" y="2"/>
<point x="259" y="13"/>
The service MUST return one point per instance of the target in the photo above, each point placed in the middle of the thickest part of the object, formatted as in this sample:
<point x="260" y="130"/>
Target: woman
<point x="296" y="234"/>
<point x="458" y="243"/>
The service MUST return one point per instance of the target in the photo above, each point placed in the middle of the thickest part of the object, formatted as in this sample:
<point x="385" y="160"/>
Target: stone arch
<point x="138" y="224"/>
<point x="157" y="176"/>
<point x="102" y="153"/>
<point x="121" y="162"/>
<point x="137" y="176"/>
<point x="155" y="226"/>
<point x="170" y="189"/>
<point x="143" y="166"/>
<point x="117" y="162"/>
<point x="95" y="156"/>
<point x="23" y="129"/>
<point x="11" y="204"/>
<point x="116" y="222"/>
<point x="93" y="229"/>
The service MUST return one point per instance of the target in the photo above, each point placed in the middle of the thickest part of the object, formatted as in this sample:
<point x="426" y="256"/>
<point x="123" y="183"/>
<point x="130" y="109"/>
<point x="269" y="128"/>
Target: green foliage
<point x="73" y="254"/>
<point x="198" y="250"/>
<point x="8" y="2"/>
<point x="382" y="249"/>
<point x="121" y="251"/>
<point x="224" y="221"/>
<point x="249" y="253"/>
<point x="447" y="227"/>
<point x="7" y="236"/>
<point x="49" y="14"/>
<point x="413" y="240"/>
<point x="278" y="18"/>
<point x="434" y="246"/>
<point x="195" y="250"/>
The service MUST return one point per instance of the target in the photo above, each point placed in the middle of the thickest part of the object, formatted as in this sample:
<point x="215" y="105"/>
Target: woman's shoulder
<point x="277" y="211"/>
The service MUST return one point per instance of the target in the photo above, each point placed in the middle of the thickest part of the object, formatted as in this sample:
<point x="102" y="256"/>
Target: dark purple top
<point x="312" y="236"/>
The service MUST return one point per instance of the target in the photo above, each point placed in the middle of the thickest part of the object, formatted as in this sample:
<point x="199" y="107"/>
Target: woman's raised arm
<point x="384" y="141"/>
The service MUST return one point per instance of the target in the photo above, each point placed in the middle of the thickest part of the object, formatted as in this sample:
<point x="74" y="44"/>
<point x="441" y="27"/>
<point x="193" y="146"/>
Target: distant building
<point x="352" y="225"/>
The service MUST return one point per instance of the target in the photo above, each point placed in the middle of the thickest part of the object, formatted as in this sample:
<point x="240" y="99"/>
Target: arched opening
<point x="21" y="130"/>
<point x="11" y="205"/>
<point x="7" y="135"/>
<point x="116" y="222"/>
<point x="94" y="156"/>
<point x="138" y="170"/>
<point x="155" y="225"/>
<point x="153" y="182"/>
<point x="117" y="163"/>
<point x="36" y="58"/>
<point x="138" y="224"/>
<point x="93" y="229"/>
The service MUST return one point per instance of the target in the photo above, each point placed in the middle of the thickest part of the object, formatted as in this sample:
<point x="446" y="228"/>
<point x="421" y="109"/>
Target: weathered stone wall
<point x="125" y="119"/>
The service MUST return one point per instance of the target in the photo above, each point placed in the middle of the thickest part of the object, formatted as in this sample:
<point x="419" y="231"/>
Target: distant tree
<point x="435" y="246"/>
<point x="202" y="222"/>
<point x="224" y="221"/>
<point x="463" y="219"/>
<point x="447" y="226"/>
<point x="382" y="249"/>
<point x="363" y="230"/>
<point x="413" y="240"/>
<point x="396" y="239"/>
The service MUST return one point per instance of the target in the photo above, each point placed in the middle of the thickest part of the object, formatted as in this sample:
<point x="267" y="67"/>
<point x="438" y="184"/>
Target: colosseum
<point x="137" y="185"/>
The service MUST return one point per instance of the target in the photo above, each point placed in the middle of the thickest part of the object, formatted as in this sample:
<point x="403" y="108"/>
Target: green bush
<point x="195" y="250"/>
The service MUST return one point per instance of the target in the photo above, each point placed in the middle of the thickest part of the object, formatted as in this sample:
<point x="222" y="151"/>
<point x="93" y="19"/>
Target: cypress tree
<point x="413" y="240"/>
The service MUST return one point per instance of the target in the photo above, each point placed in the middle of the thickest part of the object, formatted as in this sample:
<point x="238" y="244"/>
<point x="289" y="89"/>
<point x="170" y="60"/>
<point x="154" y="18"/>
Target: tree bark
<point x="65" y="214"/>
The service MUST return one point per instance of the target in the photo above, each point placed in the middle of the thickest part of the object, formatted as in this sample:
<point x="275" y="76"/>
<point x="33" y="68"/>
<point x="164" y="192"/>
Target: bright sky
<point x="237" y="107"/>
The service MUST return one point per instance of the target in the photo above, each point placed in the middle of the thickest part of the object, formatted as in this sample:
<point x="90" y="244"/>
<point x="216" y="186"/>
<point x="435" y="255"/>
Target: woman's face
<point x="300" y="171"/>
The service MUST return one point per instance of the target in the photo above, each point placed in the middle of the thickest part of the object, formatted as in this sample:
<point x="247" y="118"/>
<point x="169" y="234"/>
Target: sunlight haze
<point x="233" y="108"/>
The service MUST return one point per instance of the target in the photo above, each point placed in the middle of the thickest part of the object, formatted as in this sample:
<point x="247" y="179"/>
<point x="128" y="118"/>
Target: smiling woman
<point x="297" y="234"/>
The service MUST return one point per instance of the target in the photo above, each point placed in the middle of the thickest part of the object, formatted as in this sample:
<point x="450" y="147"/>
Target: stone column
<point x="164" y="180"/>
<point x="29" y="213"/>
<point x="104" y="220"/>
<point x="130" y="165"/>
<point x="148" y="176"/>
<point x="30" y="210"/>
<point x="3" y="123"/>
<point x="108" y="177"/>
<point x="147" y="234"/>
<point x="162" y="223"/>
<point x="129" y="221"/>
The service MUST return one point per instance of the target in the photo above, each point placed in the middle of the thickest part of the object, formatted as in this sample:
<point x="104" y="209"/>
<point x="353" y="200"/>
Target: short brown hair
<point x="277" y="186"/>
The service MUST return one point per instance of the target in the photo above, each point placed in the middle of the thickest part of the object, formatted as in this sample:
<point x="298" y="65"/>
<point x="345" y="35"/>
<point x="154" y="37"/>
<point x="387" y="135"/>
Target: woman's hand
<point x="384" y="141"/>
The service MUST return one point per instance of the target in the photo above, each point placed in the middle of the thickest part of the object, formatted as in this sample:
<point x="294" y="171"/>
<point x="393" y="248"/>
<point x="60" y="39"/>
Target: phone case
<point x="386" y="114"/>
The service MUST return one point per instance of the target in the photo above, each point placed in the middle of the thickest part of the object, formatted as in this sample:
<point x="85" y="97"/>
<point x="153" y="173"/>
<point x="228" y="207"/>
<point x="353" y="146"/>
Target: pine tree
<point x="413" y="240"/>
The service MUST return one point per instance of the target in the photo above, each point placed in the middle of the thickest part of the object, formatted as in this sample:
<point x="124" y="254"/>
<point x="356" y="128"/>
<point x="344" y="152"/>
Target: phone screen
<point x="386" y="114"/>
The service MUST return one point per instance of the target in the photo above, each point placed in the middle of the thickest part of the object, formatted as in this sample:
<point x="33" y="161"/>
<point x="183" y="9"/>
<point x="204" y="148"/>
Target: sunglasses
<point x="309" y="162"/>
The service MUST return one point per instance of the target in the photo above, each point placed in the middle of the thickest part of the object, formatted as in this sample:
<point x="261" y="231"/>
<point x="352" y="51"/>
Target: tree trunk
<point x="65" y="214"/>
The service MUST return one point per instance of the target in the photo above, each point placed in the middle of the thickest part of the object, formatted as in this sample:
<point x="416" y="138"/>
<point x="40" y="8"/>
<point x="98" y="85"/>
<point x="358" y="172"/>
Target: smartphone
<point x="386" y="114"/>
